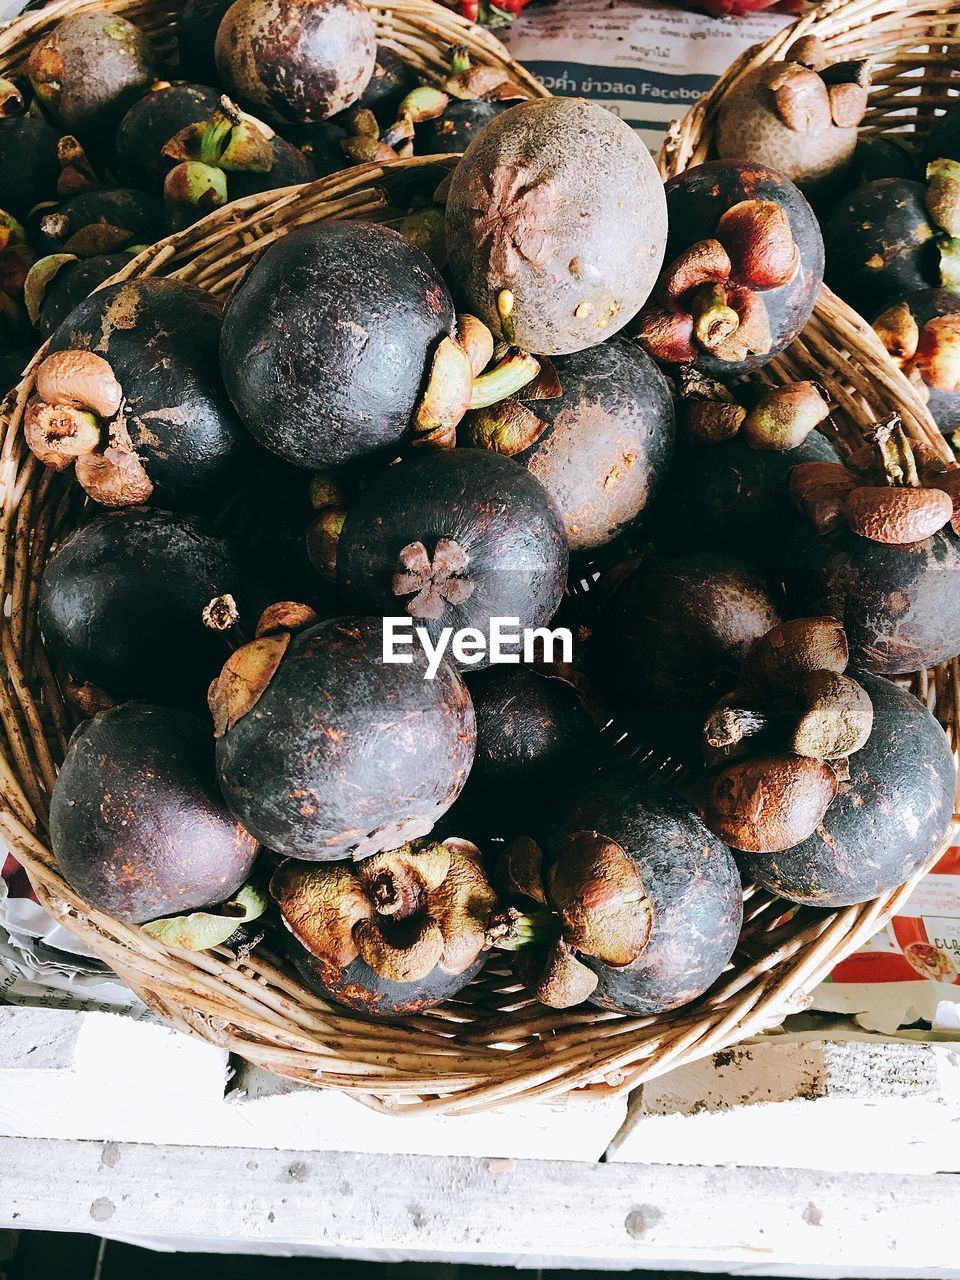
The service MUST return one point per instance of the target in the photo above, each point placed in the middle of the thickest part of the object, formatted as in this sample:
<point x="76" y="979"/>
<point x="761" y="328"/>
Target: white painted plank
<point x="524" y="1212"/>
<point x="815" y="1104"/>
<point x="87" y="1075"/>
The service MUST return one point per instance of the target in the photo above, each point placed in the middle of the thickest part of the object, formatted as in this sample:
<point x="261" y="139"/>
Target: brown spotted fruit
<point x="395" y="933"/>
<point x="130" y="394"/>
<point x="799" y="116"/>
<point x="300" y="60"/>
<point x="88" y="70"/>
<point x="895" y="236"/>
<point x="887" y="819"/>
<point x="596" y="428"/>
<point x="637" y="906"/>
<point x="555" y="225"/>
<point x="744" y="264"/>
<point x="137" y="824"/>
<point x="325" y="751"/>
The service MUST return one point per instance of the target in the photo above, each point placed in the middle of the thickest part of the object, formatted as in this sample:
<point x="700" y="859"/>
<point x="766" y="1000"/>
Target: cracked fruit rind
<point x="137" y="824"/>
<point x="122" y="597"/>
<point x="327" y="343"/>
<point x="558" y="203"/>
<point x="503" y="550"/>
<point x="398" y="932"/>
<point x="691" y="884"/>
<point x="343" y="754"/>
<point x="885" y="822"/>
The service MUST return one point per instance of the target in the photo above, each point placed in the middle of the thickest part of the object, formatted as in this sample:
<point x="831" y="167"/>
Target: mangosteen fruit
<point x="921" y="332"/>
<point x="596" y="428"/>
<point x="798" y="116"/>
<point x="88" y="70"/>
<point x="881" y="243"/>
<point x="137" y="824"/>
<point x="535" y="738"/>
<point x="321" y="143"/>
<point x="223" y="157"/>
<point x="328" y="342"/>
<point x="59" y="282"/>
<point x="130" y="390"/>
<point x="731" y="497"/>
<point x="326" y="751"/>
<point x="461" y="121"/>
<point x="400" y="931"/>
<point x="879" y="553"/>
<point x="454" y="538"/>
<point x="197" y="24"/>
<point x="943" y="140"/>
<point x="899" y="604"/>
<point x="673" y="634"/>
<point x="150" y="124"/>
<point x="16" y="259"/>
<point x="555" y="225"/>
<point x="392" y="78"/>
<point x="646" y="905"/>
<point x="122" y="600"/>
<point x="296" y="59"/>
<point x="13" y="361"/>
<point x="28" y="150"/>
<point x="744" y="267"/>
<point x="877" y="156"/>
<point x="887" y="819"/>
<point x="101" y="221"/>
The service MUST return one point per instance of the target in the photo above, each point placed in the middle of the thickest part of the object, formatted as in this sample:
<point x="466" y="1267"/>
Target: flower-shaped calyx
<point x="709" y="299"/>
<point x="588" y="905"/>
<point x="403" y="912"/>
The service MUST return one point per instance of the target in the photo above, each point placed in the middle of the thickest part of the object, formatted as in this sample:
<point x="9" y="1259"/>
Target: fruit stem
<point x="713" y="320"/>
<point x="512" y="930"/>
<point x="896" y="452"/>
<point x="459" y="60"/>
<point x="504" y="379"/>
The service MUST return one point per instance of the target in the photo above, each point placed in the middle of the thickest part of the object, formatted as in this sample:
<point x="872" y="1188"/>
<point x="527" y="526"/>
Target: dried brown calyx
<point x="16" y="260"/>
<point x="769" y="803"/>
<point x="929" y="357"/>
<point x="364" y="144"/>
<point x="709" y="297"/>
<point x="76" y="416"/>
<point x="709" y="412"/>
<point x="250" y="668"/>
<point x="903" y="510"/>
<point x="76" y="172"/>
<point x="835" y="716"/>
<point x="404" y="912"/>
<point x="820" y="491"/>
<point x="590" y="903"/>
<point x="782" y="738"/>
<point x="784" y="416"/>
<point x="433" y="581"/>
<point x="793" y="650"/>
<point x="810" y="94"/>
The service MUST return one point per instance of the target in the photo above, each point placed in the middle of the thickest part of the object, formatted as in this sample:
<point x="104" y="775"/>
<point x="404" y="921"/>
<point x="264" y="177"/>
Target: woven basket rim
<point x="462" y="1058"/>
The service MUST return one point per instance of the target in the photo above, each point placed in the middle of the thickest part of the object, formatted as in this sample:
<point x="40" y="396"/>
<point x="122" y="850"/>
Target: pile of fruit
<point x="543" y="373"/>
<point x="105" y="161"/>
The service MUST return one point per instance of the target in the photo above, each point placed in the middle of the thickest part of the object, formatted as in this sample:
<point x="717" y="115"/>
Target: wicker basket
<point x="913" y="47"/>
<point x="420" y="31"/>
<point x="493" y="1044"/>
